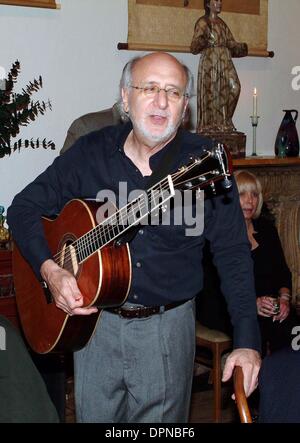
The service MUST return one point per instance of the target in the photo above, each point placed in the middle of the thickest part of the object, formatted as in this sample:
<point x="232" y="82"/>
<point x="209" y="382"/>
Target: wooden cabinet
<point x="8" y="306"/>
<point x="280" y="179"/>
<point x="6" y="280"/>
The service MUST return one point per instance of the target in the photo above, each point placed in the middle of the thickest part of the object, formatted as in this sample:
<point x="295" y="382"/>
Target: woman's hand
<point x="265" y="307"/>
<point x="284" y="310"/>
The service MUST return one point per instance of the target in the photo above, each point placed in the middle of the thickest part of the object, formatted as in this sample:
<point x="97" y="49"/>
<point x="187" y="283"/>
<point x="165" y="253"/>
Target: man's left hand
<point x="250" y="361"/>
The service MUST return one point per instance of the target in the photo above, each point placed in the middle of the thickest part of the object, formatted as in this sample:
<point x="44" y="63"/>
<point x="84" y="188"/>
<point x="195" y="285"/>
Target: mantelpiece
<point x="262" y="162"/>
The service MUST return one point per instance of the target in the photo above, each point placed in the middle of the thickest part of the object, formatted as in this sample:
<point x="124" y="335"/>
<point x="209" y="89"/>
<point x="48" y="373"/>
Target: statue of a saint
<point x="218" y="83"/>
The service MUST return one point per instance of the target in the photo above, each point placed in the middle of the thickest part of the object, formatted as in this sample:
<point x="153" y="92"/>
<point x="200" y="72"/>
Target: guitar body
<point x="104" y="280"/>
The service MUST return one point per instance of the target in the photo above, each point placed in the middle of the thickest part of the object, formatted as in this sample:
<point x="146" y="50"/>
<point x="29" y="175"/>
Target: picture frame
<point x="149" y="24"/>
<point x="50" y="4"/>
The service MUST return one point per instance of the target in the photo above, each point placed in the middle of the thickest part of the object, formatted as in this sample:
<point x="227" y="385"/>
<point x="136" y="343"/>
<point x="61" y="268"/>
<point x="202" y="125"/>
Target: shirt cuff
<point x="247" y="335"/>
<point x="37" y="255"/>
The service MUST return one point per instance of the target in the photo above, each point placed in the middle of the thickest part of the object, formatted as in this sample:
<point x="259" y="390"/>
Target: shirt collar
<point x="124" y="131"/>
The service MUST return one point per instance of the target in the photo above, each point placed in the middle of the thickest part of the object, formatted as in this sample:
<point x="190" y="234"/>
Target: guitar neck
<point x="123" y="219"/>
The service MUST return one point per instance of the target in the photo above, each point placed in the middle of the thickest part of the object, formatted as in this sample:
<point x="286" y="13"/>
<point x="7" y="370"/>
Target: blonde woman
<point x="272" y="275"/>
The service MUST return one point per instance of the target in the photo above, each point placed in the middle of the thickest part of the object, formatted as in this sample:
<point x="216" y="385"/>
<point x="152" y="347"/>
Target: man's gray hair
<point x="126" y="82"/>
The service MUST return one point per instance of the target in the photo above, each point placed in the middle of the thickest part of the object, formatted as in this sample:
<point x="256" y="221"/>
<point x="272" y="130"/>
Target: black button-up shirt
<point x="166" y="264"/>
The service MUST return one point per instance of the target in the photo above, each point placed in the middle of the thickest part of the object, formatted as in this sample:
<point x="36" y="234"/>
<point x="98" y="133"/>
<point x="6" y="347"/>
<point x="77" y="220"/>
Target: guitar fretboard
<point x="123" y="219"/>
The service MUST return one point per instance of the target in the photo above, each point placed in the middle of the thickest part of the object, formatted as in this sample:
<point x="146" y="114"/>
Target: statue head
<point x="214" y="6"/>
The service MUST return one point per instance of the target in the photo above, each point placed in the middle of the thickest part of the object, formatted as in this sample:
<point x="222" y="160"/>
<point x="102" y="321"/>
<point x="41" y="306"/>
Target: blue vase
<point x="287" y="141"/>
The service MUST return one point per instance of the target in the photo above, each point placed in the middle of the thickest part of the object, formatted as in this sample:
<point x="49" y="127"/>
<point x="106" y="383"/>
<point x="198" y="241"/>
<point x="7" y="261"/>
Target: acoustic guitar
<point x="91" y="247"/>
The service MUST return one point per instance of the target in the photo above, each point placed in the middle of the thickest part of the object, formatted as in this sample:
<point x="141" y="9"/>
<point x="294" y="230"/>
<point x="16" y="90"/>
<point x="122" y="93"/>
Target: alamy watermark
<point x="2" y="339"/>
<point x="157" y="206"/>
<point x="296" y="340"/>
<point x="296" y="79"/>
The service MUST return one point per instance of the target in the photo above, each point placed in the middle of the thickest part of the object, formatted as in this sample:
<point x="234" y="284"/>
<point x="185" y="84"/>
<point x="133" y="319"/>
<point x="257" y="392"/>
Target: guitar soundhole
<point x="68" y="257"/>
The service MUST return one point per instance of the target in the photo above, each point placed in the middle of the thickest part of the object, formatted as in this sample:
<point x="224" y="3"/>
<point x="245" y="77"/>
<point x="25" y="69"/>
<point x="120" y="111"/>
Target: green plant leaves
<point x="18" y="109"/>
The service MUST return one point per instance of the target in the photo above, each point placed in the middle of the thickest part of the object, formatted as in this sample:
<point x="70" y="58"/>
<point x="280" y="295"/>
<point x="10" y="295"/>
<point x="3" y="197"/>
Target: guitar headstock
<point x="202" y="171"/>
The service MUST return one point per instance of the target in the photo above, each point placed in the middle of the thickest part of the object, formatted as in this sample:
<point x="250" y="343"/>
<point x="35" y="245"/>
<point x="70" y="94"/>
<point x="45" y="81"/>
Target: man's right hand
<point x="63" y="287"/>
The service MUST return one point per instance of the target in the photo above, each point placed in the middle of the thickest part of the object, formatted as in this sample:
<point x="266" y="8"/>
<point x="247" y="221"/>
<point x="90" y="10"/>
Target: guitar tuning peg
<point x="226" y="183"/>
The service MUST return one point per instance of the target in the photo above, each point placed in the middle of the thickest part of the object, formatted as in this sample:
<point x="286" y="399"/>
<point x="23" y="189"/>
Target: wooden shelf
<point x="252" y="52"/>
<point x="266" y="161"/>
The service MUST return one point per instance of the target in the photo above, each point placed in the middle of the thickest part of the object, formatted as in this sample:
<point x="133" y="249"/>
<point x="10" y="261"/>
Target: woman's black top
<point x="270" y="273"/>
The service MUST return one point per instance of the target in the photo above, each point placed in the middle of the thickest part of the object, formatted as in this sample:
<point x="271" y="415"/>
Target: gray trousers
<point x="137" y="370"/>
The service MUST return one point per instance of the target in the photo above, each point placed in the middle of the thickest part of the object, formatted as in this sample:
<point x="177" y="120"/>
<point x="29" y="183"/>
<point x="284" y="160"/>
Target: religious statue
<point x="218" y="83"/>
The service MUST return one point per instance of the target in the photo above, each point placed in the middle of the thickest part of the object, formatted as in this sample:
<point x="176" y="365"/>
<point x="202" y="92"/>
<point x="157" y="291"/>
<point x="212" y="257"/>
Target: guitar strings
<point x="104" y="228"/>
<point x="91" y="238"/>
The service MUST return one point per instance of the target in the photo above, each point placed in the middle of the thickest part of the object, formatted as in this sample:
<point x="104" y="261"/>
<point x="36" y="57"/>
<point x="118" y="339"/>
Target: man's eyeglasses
<point x="173" y="94"/>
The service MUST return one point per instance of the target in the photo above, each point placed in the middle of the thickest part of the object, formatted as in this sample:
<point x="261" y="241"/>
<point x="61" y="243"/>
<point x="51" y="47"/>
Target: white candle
<point x="255" y="103"/>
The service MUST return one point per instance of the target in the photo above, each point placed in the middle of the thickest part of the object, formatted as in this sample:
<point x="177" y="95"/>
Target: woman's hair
<point x="248" y="182"/>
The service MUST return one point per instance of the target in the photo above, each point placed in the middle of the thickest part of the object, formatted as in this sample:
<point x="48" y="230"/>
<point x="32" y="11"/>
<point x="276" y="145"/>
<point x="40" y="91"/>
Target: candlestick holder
<point x="254" y="122"/>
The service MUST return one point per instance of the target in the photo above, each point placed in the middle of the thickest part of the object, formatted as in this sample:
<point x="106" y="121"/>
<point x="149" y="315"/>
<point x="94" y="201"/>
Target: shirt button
<point x="138" y="264"/>
<point x="141" y="231"/>
<point x="135" y="297"/>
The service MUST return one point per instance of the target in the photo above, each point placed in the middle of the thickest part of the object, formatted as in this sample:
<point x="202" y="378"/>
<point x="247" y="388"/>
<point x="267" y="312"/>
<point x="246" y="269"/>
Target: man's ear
<point x="125" y="98"/>
<point x="186" y="104"/>
<point x="186" y="111"/>
<point x="186" y="116"/>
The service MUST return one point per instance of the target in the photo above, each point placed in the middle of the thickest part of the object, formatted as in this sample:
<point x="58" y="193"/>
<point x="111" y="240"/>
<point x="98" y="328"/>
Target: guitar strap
<point x="163" y="169"/>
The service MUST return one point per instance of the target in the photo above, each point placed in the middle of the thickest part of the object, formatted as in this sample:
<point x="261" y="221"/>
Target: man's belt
<point x="144" y="311"/>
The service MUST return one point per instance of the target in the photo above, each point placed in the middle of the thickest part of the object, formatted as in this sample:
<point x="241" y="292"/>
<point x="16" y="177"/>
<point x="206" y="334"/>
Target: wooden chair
<point x="240" y="396"/>
<point x="217" y="343"/>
